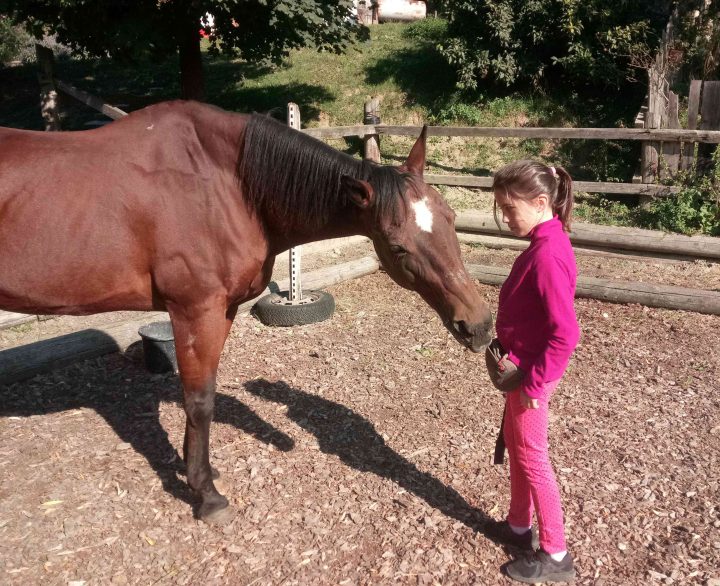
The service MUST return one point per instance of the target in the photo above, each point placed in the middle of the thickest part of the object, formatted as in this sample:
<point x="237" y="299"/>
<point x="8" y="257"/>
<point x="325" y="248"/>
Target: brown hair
<point x="529" y="179"/>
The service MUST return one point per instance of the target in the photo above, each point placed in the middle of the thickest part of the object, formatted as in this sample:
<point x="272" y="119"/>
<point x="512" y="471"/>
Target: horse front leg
<point x="200" y="334"/>
<point x="229" y="318"/>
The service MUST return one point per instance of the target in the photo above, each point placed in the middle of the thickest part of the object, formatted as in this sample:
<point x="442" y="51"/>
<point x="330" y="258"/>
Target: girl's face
<point x="521" y="215"/>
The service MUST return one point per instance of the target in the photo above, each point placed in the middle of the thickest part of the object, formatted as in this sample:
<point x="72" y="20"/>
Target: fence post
<point x="693" y="111"/>
<point x="671" y="149"/>
<point x="48" y="91"/>
<point x="371" y="142"/>
<point x="650" y="158"/>
<point x="709" y="120"/>
<point x="295" y="286"/>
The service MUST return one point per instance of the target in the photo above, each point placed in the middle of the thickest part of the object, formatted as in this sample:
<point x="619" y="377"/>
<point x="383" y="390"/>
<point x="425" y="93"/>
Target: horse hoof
<point x="216" y="513"/>
<point x="220" y="517"/>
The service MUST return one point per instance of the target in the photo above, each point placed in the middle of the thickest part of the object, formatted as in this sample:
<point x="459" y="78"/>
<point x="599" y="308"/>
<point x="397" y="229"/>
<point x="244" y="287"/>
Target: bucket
<point x="159" y="347"/>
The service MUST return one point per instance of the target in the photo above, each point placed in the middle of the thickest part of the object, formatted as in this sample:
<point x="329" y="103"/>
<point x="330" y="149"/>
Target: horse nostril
<point x="462" y="329"/>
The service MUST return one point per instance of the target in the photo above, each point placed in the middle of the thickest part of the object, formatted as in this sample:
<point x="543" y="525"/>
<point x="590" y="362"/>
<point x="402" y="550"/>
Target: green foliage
<point x="598" y="209"/>
<point x="11" y="40"/>
<point x="259" y="30"/>
<point x="688" y="212"/>
<point x="252" y="29"/>
<point x="594" y="42"/>
<point x="255" y="30"/>
<point x="460" y="113"/>
<point x="695" y="209"/>
<point x="459" y="109"/>
<point x="428" y="29"/>
<point x="697" y="39"/>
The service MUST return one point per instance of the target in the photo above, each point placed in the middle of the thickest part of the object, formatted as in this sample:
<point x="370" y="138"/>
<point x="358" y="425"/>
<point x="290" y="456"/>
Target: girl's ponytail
<point x="564" y="200"/>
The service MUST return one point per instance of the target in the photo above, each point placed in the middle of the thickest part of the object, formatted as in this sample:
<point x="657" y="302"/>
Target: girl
<point x="537" y="327"/>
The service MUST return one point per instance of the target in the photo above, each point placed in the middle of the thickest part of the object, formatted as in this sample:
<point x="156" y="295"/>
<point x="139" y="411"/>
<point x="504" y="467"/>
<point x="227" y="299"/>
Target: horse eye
<point x="396" y="249"/>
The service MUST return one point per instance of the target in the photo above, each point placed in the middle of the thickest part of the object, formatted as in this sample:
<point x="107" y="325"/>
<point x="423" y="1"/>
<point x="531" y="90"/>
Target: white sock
<point x="518" y="530"/>
<point x="559" y="556"/>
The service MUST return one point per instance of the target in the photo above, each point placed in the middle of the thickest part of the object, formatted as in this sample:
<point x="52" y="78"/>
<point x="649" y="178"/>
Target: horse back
<point x="105" y="219"/>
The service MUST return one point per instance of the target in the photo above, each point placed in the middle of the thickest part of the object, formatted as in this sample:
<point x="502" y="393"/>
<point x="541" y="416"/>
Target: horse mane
<point x="296" y="177"/>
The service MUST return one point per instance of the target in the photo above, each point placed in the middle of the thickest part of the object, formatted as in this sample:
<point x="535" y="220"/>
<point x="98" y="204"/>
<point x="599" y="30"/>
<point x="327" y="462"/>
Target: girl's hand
<point x="528" y="402"/>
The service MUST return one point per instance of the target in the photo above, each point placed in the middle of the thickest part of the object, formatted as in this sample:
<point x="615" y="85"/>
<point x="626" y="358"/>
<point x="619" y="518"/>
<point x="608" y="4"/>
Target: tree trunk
<point x="192" y="78"/>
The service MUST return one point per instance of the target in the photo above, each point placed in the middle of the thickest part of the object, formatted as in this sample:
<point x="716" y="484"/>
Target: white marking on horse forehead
<point x="423" y="214"/>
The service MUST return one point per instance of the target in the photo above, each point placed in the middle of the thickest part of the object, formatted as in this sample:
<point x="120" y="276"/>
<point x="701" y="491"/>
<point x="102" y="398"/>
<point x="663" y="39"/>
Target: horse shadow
<point x="354" y="439"/>
<point x="120" y="390"/>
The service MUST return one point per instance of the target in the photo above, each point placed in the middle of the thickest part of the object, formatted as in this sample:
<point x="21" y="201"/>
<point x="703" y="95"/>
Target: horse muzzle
<point x="475" y="337"/>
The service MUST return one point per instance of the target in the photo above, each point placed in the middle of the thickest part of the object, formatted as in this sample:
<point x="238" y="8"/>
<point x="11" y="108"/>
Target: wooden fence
<point x="663" y="159"/>
<point x="50" y="86"/>
<point x="646" y="135"/>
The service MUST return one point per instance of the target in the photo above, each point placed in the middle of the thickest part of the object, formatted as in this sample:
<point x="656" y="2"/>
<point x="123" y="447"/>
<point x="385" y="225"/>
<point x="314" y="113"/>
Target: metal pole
<point x="295" y="289"/>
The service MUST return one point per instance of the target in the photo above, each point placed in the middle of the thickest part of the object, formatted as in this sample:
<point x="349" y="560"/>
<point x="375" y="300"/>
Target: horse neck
<point x="282" y="235"/>
<point x="292" y="182"/>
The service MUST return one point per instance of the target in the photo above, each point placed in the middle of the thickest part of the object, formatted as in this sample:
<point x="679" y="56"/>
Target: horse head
<point x="419" y="249"/>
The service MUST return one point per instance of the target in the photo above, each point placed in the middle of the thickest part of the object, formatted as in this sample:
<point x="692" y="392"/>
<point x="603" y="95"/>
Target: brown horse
<point x="183" y="207"/>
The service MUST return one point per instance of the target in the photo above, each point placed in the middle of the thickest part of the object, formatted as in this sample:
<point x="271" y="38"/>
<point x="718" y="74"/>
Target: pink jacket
<point x="536" y="321"/>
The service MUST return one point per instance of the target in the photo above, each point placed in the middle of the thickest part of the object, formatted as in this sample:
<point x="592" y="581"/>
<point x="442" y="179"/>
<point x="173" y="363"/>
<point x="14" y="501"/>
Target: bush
<point x="428" y="29"/>
<point x="12" y="40"/>
<point x="695" y="209"/>
<point x="459" y="113"/>
<point x="16" y="44"/>
<point x="595" y="42"/>
<point x="688" y="212"/>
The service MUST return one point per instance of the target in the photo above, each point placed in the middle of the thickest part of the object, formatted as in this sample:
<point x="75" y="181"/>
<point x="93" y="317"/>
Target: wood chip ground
<point x="358" y="451"/>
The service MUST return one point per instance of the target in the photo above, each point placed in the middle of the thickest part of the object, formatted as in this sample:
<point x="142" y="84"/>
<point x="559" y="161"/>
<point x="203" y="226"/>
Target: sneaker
<point x="501" y="533"/>
<point x="540" y="567"/>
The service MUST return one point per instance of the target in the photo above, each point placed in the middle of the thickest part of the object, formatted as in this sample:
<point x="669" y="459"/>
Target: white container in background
<point x="405" y="10"/>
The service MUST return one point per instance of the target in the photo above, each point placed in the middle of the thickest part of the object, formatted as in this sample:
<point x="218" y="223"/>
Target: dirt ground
<point x="358" y="451"/>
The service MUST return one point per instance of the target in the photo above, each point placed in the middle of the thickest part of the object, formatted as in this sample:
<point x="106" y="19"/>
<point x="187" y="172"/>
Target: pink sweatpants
<point x="532" y="479"/>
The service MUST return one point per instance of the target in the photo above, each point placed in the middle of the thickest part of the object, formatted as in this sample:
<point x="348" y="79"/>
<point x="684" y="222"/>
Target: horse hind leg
<point x="200" y="334"/>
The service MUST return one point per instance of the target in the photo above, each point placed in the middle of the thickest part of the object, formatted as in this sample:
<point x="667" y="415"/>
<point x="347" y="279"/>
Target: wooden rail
<point x="643" y="134"/>
<point x="582" y="186"/>
<point x="665" y="296"/>
<point x="90" y="100"/>
<point x="507" y="243"/>
<point x="608" y="237"/>
<point x="341" y="131"/>
<point x="10" y="319"/>
<point x="642" y="189"/>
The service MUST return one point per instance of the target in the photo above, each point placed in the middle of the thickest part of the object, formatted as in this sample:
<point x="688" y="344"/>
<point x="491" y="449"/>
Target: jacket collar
<point x="546" y="228"/>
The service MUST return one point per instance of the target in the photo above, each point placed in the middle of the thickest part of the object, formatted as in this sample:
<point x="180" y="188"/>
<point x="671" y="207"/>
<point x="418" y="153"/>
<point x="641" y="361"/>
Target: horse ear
<point x="361" y="192"/>
<point x="416" y="159"/>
